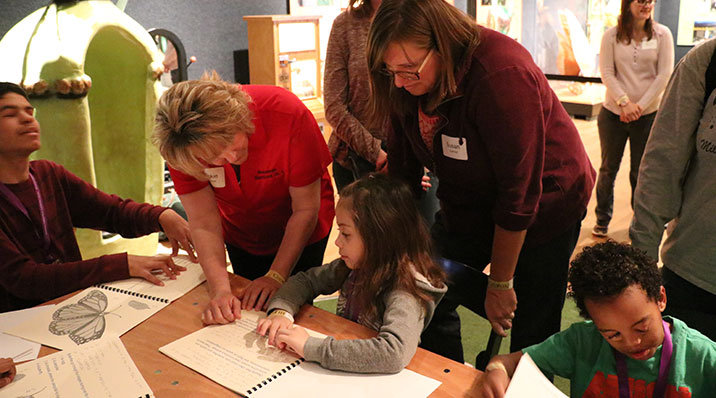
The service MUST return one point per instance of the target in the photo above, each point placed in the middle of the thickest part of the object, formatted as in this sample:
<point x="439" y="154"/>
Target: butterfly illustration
<point x="83" y="321"/>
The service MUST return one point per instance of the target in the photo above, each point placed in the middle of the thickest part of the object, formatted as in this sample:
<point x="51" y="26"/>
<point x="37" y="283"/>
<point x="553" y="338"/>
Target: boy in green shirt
<point x="626" y="347"/>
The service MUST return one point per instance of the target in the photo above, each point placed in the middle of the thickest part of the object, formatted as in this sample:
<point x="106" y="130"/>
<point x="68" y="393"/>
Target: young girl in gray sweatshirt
<point x="386" y="277"/>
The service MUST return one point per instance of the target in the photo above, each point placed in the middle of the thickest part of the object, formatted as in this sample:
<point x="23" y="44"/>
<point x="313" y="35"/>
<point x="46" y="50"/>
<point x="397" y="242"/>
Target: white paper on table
<point x="311" y="380"/>
<point x="98" y="369"/>
<point x="528" y="381"/>
<point x="107" y="310"/>
<point x="17" y="348"/>
<point x="238" y="358"/>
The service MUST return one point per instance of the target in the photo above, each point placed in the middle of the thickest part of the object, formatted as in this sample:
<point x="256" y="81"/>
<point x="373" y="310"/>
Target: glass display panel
<point x="569" y="33"/>
<point x="697" y="21"/>
<point x="504" y="16"/>
<point x="303" y="78"/>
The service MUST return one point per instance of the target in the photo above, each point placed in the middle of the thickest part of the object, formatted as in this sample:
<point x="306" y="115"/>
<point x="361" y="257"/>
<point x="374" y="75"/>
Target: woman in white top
<point x="636" y="60"/>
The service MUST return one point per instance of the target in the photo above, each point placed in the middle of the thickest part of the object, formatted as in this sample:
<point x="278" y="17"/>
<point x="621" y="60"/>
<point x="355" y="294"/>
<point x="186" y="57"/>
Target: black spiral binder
<point x="274" y="376"/>
<point x="134" y="294"/>
<point x="145" y="396"/>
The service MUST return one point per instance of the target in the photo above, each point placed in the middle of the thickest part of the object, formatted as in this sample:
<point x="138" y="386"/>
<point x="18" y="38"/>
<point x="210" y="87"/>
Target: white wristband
<point x="497" y="285"/>
<point x="494" y="366"/>
<point x="283" y="313"/>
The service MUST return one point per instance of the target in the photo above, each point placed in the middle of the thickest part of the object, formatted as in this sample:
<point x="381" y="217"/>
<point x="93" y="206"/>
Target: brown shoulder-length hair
<point x="361" y="8"/>
<point x="429" y="24"/>
<point x="395" y="239"/>
<point x="626" y="24"/>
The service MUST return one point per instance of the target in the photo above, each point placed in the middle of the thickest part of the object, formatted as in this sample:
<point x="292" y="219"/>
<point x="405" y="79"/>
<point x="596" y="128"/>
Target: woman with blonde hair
<point x="470" y="104"/>
<point x="250" y="166"/>
<point x="635" y="60"/>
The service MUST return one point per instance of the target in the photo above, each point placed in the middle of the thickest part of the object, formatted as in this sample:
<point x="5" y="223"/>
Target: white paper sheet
<point x="235" y="356"/>
<point x="14" y="347"/>
<point x="107" y="310"/>
<point x="528" y="381"/>
<point x="310" y="380"/>
<point x="98" y="369"/>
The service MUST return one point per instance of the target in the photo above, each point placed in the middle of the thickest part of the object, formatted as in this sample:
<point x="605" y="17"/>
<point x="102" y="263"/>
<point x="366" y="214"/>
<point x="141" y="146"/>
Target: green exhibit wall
<point x="92" y="74"/>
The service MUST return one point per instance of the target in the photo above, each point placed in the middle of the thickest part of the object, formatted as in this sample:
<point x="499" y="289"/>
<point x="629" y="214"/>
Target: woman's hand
<point x="7" y="371"/>
<point x="381" y="164"/>
<point x="258" y="293"/>
<point x="146" y="267"/>
<point x="273" y="324"/>
<point x="500" y="306"/>
<point x="630" y="112"/>
<point x="177" y="230"/>
<point x="223" y="308"/>
<point x="295" y="338"/>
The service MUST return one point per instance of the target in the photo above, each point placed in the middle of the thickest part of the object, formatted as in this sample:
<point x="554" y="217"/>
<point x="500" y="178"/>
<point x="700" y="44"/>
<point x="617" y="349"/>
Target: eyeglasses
<point x="645" y="2"/>
<point x="405" y="74"/>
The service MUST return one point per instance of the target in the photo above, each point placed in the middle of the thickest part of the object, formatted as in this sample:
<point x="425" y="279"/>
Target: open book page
<point x="241" y="360"/>
<point x="172" y="289"/>
<point x="233" y="355"/>
<point x="98" y="369"/>
<point x="528" y="381"/>
<point x="107" y="310"/>
<point x="310" y="380"/>
<point x="93" y="314"/>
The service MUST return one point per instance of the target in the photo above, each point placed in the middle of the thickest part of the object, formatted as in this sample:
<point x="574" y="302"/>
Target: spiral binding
<point x="275" y="376"/>
<point x="134" y="294"/>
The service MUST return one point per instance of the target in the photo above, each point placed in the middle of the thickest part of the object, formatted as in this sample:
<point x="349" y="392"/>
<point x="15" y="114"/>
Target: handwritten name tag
<point x="649" y="45"/>
<point x="453" y="148"/>
<point x="216" y="176"/>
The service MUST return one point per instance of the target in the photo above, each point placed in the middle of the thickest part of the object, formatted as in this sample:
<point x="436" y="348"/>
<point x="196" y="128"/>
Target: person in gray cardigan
<point x="676" y="186"/>
<point x="387" y="279"/>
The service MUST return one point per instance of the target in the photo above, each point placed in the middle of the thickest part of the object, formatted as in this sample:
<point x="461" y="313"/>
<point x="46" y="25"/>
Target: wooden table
<point x="168" y="378"/>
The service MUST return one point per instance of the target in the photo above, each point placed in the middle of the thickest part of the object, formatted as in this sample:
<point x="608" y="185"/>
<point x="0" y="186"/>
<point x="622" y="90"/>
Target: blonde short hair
<point x="197" y="119"/>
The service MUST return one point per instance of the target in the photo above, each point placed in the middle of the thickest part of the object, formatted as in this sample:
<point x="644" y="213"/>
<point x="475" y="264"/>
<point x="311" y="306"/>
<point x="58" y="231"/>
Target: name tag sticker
<point x="453" y="149"/>
<point x="216" y="177"/>
<point x="649" y="45"/>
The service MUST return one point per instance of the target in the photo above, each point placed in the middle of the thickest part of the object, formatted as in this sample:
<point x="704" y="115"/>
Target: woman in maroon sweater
<point x="470" y="104"/>
<point x="40" y="204"/>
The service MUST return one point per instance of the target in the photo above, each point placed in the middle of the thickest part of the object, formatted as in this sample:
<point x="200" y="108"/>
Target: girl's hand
<point x="295" y="338"/>
<point x="258" y="293"/>
<point x="7" y="371"/>
<point x="273" y="324"/>
<point x="223" y="308"/>
<point x="500" y="306"/>
<point x="145" y="266"/>
<point x="495" y="384"/>
<point x="381" y="164"/>
<point x="425" y="182"/>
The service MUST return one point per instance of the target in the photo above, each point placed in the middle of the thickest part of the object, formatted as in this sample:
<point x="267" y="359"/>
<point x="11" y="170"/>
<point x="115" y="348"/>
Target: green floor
<point x="475" y="331"/>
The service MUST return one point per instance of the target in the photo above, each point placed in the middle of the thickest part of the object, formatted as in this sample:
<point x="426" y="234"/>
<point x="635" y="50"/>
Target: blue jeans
<point x="613" y="135"/>
<point x="540" y="282"/>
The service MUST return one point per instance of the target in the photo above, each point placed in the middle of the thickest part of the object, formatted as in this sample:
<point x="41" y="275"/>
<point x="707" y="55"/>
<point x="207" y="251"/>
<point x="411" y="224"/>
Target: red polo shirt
<point x="285" y="150"/>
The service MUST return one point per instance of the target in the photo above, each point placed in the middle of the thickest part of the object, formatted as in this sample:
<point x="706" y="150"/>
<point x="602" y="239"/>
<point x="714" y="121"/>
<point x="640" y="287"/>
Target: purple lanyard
<point x="15" y="201"/>
<point x="664" y="363"/>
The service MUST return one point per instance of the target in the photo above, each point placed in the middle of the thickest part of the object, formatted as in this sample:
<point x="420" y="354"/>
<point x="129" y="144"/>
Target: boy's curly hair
<point x="605" y="270"/>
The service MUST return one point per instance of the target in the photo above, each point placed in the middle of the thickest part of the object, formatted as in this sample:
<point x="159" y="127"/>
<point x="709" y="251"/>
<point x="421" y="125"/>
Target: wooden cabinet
<point x="284" y="50"/>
